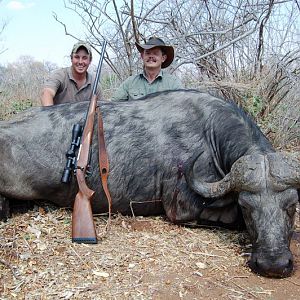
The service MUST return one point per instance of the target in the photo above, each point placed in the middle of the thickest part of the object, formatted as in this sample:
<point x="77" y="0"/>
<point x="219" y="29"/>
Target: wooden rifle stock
<point x="83" y="227"/>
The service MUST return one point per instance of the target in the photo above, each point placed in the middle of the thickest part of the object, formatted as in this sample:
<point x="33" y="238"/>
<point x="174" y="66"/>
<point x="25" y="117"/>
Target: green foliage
<point x="9" y="108"/>
<point x="109" y="83"/>
<point x="253" y="104"/>
<point x="18" y="106"/>
<point x="108" y="80"/>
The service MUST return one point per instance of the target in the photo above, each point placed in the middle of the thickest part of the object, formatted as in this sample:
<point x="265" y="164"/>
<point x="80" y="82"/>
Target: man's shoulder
<point x="62" y="72"/>
<point x="168" y="75"/>
<point x="171" y="80"/>
<point x="57" y="79"/>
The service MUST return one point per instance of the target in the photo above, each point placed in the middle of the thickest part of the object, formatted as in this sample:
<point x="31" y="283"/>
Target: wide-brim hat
<point x="157" y="42"/>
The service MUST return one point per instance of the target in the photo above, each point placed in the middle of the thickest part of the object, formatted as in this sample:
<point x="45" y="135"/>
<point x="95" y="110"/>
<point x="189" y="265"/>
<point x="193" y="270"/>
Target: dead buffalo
<point x="200" y="155"/>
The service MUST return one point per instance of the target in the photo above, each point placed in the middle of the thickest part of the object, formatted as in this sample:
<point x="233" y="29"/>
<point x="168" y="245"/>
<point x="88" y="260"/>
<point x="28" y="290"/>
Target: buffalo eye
<point x="290" y="203"/>
<point x="291" y="210"/>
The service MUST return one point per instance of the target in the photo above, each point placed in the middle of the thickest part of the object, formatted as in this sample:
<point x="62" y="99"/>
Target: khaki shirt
<point x="137" y="86"/>
<point x="65" y="87"/>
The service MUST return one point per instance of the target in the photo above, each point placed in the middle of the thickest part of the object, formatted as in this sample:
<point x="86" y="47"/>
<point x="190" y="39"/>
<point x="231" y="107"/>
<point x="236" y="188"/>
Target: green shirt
<point x="137" y="86"/>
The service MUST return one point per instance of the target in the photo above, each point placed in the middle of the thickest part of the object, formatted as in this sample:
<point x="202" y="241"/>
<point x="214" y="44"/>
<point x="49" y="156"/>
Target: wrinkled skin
<point x="270" y="254"/>
<point x="227" y="162"/>
<point x="268" y="203"/>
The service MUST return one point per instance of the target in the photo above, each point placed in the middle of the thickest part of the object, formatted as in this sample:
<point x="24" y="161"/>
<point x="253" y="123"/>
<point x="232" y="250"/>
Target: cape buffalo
<point x="200" y="155"/>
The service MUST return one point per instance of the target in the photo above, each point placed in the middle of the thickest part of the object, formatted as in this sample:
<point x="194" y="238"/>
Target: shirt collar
<point x="88" y="79"/>
<point x="160" y="74"/>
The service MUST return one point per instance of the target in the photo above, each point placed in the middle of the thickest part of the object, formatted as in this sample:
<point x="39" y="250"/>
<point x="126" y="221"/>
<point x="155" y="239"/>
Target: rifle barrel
<point x="99" y="68"/>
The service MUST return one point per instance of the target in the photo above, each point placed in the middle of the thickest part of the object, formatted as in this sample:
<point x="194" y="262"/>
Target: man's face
<point x="80" y="61"/>
<point x="153" y="58"/>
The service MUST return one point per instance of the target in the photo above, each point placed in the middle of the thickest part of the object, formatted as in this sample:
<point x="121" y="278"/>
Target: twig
<point x="204" y="254"/>
<point x="80" y="257"/>
<point x="292" y="282"/>
<point x="234" y="277"/>
<point x="5" y="263"/>
<point x="245" y="290"/>
<point x="141" y="202"/>
<point x="226" y="287"/>
<point x="26" y="242"/>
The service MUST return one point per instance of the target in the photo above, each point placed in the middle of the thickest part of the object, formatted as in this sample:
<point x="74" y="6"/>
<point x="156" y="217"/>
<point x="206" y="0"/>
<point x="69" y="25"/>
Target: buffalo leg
<point x="4" y="208"/>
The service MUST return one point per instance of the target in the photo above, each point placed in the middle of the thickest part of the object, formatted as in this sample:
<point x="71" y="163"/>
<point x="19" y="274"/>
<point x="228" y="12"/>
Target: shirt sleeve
<point x="55" y="81"/>
<point x="121" y="93"/>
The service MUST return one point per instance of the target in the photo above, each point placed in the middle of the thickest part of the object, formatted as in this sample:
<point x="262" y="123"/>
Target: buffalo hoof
<point x="4" y="209"/>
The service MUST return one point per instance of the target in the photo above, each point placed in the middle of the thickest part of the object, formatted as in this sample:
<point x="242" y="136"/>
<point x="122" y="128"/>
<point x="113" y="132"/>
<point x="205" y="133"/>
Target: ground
<point x="138" y="258"/>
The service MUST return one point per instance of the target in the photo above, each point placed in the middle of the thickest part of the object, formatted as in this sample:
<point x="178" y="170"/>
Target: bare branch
<point x="219" y="48"/>
<point x="134" y="27"/>
<point x="258" y="64"/>
<point x="64" y="26"/>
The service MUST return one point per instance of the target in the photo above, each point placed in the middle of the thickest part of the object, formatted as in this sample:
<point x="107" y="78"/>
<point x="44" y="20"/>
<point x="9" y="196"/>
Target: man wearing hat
<point x="73" y="83"/>
<point x="156" y="55"/>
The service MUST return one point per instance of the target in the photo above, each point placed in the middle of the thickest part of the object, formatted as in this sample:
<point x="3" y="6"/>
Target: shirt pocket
<point x="135" y="93"/>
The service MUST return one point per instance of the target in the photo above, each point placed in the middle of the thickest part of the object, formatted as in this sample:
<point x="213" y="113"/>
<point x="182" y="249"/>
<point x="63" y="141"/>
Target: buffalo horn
<point x="208" y="189"/>
<point x="285" y="169"/>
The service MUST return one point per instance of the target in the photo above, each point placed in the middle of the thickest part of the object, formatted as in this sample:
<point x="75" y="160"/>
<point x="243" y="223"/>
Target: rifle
<point x="83" y="228"/>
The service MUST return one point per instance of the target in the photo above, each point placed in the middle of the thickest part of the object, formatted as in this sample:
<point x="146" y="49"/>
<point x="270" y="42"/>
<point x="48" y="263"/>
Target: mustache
<point x="151" y="59"/>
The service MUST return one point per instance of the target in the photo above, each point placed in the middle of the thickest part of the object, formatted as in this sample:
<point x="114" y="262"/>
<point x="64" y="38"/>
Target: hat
<point x="84" y="45"/>
<point x="157" y="42"/>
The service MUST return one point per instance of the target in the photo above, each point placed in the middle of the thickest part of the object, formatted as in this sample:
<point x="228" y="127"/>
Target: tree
<point x="220" y="39"/>
<point x="21" y="84"/>
<point x="3" y="24"/>
<point x="232" y="46"/>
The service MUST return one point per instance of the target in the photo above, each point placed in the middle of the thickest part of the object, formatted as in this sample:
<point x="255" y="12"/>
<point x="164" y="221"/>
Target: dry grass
<point x="143" y="258"/>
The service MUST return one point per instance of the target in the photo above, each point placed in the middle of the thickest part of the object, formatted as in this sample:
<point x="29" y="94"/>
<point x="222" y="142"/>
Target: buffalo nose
<point x="281" y="266"/>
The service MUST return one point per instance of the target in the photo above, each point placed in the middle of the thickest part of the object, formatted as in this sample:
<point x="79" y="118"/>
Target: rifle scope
<point x="71" y="153"/>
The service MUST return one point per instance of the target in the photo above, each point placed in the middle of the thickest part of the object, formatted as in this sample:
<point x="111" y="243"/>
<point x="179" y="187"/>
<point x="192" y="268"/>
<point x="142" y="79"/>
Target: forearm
<point x="47" y="97"/>
<point x="121" y="93"/>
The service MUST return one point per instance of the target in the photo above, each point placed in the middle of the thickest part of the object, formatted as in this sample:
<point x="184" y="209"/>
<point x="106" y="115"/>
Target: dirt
<point x="142" y="258"/>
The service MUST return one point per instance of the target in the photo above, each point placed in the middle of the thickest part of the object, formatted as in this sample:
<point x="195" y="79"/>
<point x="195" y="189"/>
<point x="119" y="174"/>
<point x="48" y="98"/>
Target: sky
<point x="32" y="30"/>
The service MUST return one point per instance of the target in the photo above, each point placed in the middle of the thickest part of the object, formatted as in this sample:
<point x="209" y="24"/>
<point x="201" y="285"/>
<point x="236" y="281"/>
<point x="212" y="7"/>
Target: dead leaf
<point x="201" y="265"/>
<point x="34" y="231"/>
<point x="101" y="274"/>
